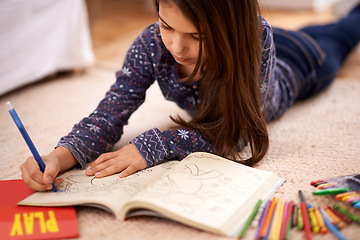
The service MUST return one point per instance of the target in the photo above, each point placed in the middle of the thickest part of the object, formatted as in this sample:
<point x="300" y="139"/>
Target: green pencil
<point x="331" y="191"/>
<point x="348" y="214"/>
<point x="250" y="219"/>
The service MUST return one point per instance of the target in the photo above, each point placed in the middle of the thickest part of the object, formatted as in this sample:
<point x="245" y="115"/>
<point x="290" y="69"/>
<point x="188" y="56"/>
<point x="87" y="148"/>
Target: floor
<point x="115" y="24"/>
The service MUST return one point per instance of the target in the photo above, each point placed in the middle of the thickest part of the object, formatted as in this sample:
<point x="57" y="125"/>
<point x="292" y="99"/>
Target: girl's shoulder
<point x="267" y="34"/>
<point x="152" y="30"/>
<point x="149" y="40"/>
<point x="151" y="35"/>
<point x="265" y="26"/>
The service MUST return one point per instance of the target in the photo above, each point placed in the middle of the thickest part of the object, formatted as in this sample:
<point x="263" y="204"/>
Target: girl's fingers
<point x="128" y="159"/>
<point x="32" y="175"/>
<point x="58" y="181"/>
<point x="129" y="170"/>
<point x="33" y="184"/>
<point x="34" y="178"/>
<point x="111" y="167"/>
<point x="103" y="158"/>
<point x="100" y="163"/>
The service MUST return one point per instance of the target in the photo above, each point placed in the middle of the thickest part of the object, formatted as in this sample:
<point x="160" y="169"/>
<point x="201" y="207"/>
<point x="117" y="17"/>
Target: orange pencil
<point x="326" y="185"/>
<point x="336" y="221"/>
<point x="341" y="195"/>
<point x="323" y="228"/>
<point x="268" y="218"/>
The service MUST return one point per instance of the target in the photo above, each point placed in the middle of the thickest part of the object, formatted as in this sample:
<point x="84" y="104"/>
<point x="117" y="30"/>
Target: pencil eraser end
<point x="8" y="105"/>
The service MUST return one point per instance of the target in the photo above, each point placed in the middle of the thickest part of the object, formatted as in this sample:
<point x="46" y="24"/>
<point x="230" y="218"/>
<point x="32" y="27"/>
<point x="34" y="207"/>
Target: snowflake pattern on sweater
<point x="147" y="61"/>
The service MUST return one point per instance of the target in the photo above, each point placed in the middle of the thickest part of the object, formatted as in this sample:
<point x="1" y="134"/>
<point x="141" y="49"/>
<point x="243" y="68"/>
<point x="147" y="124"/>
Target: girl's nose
<point x="178" y="44"/>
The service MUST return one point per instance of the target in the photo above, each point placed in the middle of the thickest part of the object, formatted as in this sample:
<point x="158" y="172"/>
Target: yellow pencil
<point x="341" y="195"/>
<point x="274" y="233"/>
<point x="314" y="223"/>
<point x="349" y="196"/>
<point x="280" y="220"/>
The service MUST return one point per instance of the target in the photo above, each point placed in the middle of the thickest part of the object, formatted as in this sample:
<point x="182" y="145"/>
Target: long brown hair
<point x="229" y="108"/>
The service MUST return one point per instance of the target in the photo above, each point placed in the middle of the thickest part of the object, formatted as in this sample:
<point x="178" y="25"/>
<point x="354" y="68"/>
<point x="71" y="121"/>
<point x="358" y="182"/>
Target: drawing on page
<point x="92" y="187"/>
<point x="191" y="188"/>
<point x="79" y="182"/>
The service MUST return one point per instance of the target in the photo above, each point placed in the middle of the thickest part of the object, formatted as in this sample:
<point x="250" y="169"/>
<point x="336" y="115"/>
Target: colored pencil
<point x="336" y="220"/>
<point x="268" y="218"/>
<point x="355" y="198"/>
<point x="287" y="216"/>
<point x="283" y="223"/>
<point x="339" y="196"/>
<point x="355" y="202"/>
<point x="353" y="217"/>
<point x="332" y="228"/>
<point x="300" y="221"/>
<point x="305" y="216"/>
<point x="325" y="215"/>
<point x="262" y="219"/>
<point x="294" y="216"/>
<point x="258" y="215"/>
<point x="288" y="231"/>
<point x="315" y="182"/>
<point x="331" y="191"/>
<point x="277" y="219"/>
<point x="313" y="221"/>
<point x="250" y="219"/>
<point x="320" y="220"/>
<point x="350" y="196"/>
<point x="346" y="219"/>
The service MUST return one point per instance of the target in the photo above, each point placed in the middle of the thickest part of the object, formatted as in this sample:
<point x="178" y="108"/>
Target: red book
<point x="23" y="222"/>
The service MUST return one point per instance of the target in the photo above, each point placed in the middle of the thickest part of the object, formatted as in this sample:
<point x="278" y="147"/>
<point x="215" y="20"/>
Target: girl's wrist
<point x="63" y="158"/>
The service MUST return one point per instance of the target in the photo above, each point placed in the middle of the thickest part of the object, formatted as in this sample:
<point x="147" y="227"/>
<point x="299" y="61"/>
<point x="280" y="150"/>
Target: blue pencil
<point x="271" y="222"/>
<point x="27" y="139"/>
<point x="332" y="228"/>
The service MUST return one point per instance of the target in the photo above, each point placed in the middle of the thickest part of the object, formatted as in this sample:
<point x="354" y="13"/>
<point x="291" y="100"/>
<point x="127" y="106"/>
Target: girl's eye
<point x="194" y="37"/>
<point x="165" y="27"/>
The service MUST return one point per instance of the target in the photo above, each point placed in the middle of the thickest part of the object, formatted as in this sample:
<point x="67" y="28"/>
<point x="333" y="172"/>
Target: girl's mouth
<point x="180" y="59"/>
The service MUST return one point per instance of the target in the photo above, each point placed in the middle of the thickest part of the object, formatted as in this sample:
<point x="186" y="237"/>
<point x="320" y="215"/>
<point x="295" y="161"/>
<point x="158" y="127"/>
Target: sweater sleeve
<point x="267" y="63"/>
<point x="277" y="84"/>
<point x="156" y="146"/>
<point x="98" y="132"/>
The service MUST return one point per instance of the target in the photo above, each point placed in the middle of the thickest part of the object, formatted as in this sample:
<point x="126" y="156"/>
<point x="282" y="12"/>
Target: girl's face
<point x="179" y="35"/>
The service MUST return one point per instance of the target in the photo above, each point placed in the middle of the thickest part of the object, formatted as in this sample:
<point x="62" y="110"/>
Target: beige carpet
<point x="317" y="138"/>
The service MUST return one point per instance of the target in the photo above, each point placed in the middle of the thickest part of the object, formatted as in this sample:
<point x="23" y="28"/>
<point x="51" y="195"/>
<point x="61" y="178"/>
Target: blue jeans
<point x="316" y="53"/>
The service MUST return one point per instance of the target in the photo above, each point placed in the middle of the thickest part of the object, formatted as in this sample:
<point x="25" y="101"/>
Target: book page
<point x="111" y="192"/>
<point x="209" y="190"/>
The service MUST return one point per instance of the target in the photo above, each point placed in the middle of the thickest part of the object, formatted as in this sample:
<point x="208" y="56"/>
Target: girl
<point x="220" y="61"/>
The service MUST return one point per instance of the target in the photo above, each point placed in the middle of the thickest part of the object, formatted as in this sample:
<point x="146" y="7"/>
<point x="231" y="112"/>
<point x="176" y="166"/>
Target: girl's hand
<point x="37" y="180"/>
<point x="127" y="160"/>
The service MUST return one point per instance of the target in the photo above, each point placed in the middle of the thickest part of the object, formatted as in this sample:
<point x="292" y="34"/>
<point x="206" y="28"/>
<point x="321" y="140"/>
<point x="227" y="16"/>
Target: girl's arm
<point x="97" y="133"/>
<point x="156" y="146"/>
<point x="152" y="146"/>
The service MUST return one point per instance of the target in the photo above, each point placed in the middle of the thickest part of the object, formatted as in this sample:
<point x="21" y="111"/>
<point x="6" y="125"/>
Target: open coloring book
<point x="203" y="190"/>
